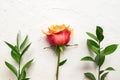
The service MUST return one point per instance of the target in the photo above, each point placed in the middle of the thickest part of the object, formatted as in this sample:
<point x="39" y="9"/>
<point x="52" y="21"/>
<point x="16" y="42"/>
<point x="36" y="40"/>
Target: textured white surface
<point x="32" y="16"/>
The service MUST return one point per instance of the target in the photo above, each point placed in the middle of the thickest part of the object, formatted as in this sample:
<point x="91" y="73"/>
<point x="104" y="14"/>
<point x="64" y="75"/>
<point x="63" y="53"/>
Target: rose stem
<point x="57" y="72"/>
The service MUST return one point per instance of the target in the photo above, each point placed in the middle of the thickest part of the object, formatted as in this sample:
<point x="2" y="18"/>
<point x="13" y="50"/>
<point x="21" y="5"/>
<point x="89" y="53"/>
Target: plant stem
<point x="99" y="73"/>
<point x="57" y="72"/>
<point x="99" y="65"/>
<point x="19" y="69"/>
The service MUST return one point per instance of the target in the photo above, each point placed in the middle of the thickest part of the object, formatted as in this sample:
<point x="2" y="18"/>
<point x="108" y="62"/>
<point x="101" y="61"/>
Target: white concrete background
<point x="32" y="16"/>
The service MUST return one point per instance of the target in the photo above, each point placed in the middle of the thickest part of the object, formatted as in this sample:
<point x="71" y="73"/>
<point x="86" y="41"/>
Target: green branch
<point x="17" y="52"/>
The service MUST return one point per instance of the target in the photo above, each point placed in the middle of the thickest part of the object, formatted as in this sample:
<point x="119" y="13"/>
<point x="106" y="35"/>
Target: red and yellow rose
<point x="59" y="34"/>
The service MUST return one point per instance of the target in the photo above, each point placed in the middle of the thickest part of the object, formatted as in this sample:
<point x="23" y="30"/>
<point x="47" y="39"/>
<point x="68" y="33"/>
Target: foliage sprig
<point x="17" y="52"/>
<point x="100" y="53"/>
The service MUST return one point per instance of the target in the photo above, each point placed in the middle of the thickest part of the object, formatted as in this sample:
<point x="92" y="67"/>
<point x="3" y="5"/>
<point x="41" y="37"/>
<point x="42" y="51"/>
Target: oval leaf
<point x="110" y="69"/>
<point x="93" y="46"/>
<point x="92" y="43"/>
<point x="11" y="67"/>
<point x="99" y="59"/>
<point x="87" y="58"/>
<point x="110" y="49"/>
<point x="92" y="36"/>
<point x="15" y="56"/>
<point x="90" y="76"/>
<point x="99" y="33"/>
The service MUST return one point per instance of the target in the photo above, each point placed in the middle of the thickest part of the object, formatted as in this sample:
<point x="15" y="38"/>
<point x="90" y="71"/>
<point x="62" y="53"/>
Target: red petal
<point x="60" y="38"/>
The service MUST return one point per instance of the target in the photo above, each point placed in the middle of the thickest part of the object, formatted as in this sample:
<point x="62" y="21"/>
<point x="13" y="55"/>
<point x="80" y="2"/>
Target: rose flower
<point x="59" y="34"/>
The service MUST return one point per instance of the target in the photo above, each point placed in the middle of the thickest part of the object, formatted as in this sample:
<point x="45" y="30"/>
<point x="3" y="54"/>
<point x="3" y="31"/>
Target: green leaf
<point x="11" y="67"/>
<point x="93" y="46"/>
<point x="104" y="75"/>
<point x="92" y="36"/>
<point x="60" y="48"/>
<point x="63" y="62"/>
<point x="26" y="48"/>
<point x="18" y="38"/>
<point x="90" y="76"/>
<point x="22" y="76"/>
<point x="26" y="65"/>
<point x="99" y="33"/>
<point x="110" y="49"/>
<point x="87" y="58"/>
<point x="68" y="45"/>
<point x="26" y="79"/>
<point x="12" y="47"/>
<point x="15" y="56"/>
<point x="99" y="59"/>
<point x="101" y="71"/>
<point x="92" y="43"/>
<point x="110" y="69"/>
<point x="24" y="42"/>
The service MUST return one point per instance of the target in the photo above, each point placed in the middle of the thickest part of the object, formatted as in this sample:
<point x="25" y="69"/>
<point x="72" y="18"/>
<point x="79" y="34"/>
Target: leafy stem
<point x="94" y="45"/>
<point x="59" y="50"/>
<point x="17" y="51"/>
